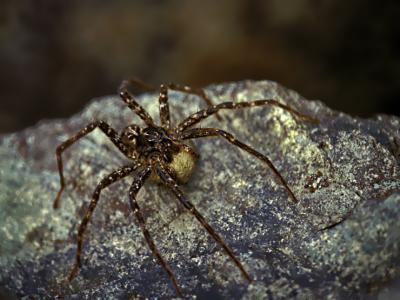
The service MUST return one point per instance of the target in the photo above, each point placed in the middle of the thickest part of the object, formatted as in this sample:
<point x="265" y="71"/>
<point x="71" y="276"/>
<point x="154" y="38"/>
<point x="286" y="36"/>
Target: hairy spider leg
<point x="171" y="183"/>
<point x="213" y="132"/>
<point x="163" y="98"/>
<point x="194" y="91"/>
<point x="103" y="126"/>
<point x="170" y="86"/>
<point x="105" y="182"/>
<point x="204" y="113"/>
<point x="164" y="107"/>
<point x="135" y="81"/>
<point x="135" y="187"/>
<point x="135" y="107"/>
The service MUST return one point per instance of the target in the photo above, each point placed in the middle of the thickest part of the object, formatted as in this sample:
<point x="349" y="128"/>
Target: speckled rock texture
<point x="340" y="241"/>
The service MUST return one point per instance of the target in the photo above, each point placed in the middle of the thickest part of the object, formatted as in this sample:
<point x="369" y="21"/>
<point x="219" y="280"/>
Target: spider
<point x="159" y="152"/>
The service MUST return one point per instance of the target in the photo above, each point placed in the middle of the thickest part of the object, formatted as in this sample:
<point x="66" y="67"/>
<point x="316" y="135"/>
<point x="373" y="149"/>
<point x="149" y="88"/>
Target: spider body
<point x="160" y="152"/>
<point x="143" y="144"/>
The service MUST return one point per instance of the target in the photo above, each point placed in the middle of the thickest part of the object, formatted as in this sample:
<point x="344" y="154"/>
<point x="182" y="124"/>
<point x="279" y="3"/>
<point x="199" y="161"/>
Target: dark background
<point x="56" y="55"/>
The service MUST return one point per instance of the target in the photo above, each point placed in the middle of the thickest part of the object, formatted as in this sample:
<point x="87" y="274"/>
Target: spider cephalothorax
<point x="160" y="152"/>
<point x="156" y="143"/>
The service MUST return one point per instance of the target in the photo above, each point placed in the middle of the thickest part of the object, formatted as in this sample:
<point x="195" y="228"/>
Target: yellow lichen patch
<point x="294" y="139"/>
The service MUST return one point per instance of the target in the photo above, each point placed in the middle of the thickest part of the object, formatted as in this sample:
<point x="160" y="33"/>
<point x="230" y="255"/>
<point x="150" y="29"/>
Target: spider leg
<point x="163" y="98"/>
<point x="105" y="182"/>
<point x="210" y="132"/>
<point x="107" y="129"/>
<point x="193" y="91"/>
<point x="171" y="183"/>
<point x="133" y="105"/>
<point x="169" y="86"/>
<point x="164" y="107"/>
<point x="136" y="82"/>
<point x="204" y="113"/>
<point x="135" y="187"/>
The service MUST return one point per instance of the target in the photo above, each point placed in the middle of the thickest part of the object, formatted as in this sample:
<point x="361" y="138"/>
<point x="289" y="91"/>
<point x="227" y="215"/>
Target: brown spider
<point x="159" y="152"/>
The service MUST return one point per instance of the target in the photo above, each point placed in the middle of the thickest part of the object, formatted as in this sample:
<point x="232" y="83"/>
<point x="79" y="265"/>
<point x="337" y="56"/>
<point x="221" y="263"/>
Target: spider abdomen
<point x="182" y="164"/>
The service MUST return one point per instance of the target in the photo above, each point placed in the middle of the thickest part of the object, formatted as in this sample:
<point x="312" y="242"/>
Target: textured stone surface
<point x="340" y="241"/>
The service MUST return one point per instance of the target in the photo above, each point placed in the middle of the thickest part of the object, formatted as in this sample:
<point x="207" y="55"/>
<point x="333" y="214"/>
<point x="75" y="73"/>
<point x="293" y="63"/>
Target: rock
<point x="340" y="241"/>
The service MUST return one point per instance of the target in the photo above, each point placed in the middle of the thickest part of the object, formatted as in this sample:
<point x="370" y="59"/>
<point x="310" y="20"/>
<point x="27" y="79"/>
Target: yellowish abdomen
<point x="182" y="165"/>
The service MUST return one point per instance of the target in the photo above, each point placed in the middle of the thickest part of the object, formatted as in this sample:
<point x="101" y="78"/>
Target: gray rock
<point x="340" y="241"/>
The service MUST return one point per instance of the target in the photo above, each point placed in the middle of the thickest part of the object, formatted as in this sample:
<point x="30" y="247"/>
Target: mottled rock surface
<point x="341" y="240"/>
